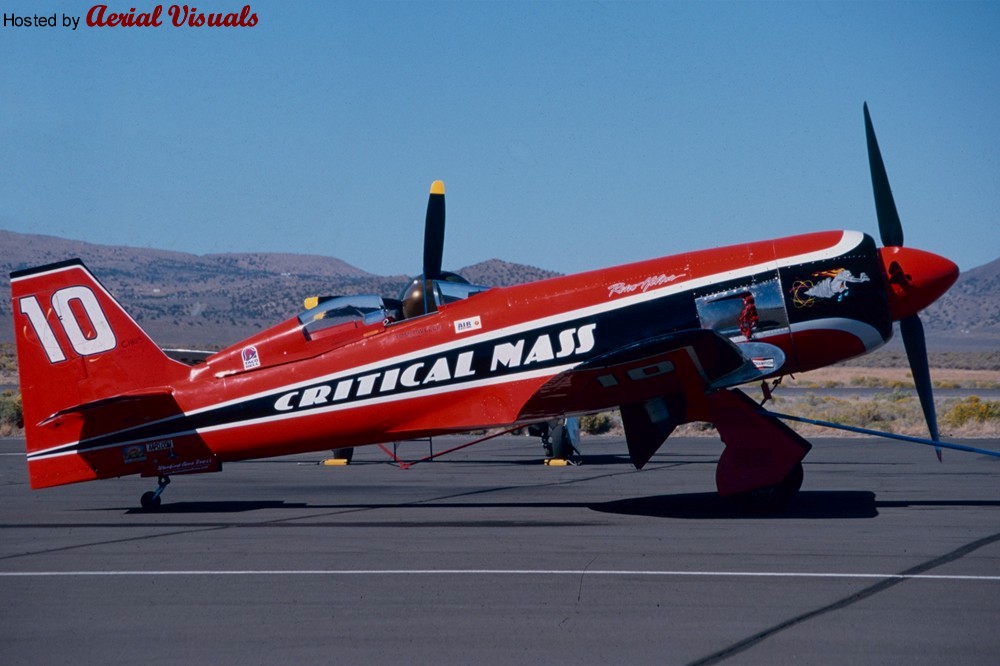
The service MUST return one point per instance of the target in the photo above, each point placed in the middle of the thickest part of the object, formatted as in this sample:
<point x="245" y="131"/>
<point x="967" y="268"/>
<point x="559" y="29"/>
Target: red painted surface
<point x="916" y="279"/>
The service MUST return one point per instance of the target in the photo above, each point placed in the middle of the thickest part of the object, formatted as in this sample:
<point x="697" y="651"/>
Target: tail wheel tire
<point x="150" y="501"/>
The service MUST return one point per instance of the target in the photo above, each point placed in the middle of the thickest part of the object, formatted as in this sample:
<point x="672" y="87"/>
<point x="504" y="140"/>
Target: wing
<point x="657" y="383"/>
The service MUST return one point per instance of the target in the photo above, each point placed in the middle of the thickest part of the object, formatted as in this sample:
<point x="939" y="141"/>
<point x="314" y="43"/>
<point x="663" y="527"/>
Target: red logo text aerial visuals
<point x="178" y="16"/>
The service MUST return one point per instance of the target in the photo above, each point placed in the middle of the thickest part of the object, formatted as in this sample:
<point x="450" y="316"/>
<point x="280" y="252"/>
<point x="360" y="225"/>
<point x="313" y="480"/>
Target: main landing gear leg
<point x="150" y="500"/>
<point x="761" y="467"/>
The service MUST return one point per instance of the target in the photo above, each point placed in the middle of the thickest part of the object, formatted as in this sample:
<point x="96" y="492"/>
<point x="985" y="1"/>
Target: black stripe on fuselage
<point x="550" y="346"/>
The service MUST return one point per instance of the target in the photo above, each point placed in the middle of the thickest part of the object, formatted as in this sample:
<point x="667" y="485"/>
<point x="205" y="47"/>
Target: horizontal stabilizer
<point x="142" y="401"/>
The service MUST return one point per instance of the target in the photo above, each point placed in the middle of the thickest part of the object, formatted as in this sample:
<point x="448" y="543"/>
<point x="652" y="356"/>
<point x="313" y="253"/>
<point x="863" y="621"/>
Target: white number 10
<point x="100" y="340"/>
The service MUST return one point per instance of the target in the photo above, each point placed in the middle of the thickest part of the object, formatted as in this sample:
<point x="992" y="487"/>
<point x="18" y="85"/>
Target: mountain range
<point x="216" y="299"/>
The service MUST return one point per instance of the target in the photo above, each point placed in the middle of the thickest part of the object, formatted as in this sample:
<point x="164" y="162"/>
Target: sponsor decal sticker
<point x="250" y="358"/>
<point x="470" y="324"/>
<point x="161" y="445"/>
<point x="134" y="453"/>
<point x="763" y="363"/>
<point x="185" y="466"/>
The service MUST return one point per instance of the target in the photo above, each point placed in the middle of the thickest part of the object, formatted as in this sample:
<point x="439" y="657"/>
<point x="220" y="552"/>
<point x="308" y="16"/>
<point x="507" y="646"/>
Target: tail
<point x="87" y="370"/>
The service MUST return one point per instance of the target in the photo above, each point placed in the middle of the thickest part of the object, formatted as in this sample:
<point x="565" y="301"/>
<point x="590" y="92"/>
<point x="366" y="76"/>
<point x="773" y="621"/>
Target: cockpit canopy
<point x="364" y="308"/>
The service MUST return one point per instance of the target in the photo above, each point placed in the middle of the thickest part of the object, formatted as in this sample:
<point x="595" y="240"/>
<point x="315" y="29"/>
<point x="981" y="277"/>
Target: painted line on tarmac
<point x="494" y="572"/>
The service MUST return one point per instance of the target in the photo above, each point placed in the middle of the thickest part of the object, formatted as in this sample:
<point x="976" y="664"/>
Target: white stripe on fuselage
<point x="848" y="241"/>
<point x="867" y="334"/>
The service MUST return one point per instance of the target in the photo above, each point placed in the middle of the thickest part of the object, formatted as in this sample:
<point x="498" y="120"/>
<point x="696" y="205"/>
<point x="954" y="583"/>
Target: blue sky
<point x="569" y="135"/>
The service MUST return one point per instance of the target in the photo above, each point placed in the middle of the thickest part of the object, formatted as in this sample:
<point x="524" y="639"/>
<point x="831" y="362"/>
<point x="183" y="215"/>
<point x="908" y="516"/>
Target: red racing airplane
<point x="664" y="340"/>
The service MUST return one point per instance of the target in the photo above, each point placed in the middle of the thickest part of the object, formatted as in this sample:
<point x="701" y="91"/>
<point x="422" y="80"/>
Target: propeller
<point x="418" y="297"/>
<point x="891" y="232"/>
<point x="434" y="232"/>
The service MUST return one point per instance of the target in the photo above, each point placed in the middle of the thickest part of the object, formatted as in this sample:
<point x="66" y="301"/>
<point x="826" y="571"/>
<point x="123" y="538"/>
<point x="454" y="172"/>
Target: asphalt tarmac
<point x="490" y="557"/>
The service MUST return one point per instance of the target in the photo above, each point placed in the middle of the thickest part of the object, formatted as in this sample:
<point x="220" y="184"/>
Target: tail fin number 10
<point x="77" y="309"/>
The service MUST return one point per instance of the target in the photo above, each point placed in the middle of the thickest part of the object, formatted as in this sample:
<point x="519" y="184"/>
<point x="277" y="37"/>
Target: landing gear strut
<point x="150" y="500"/>
<point x="761" y="466"/>
<point x="559" y="437"/>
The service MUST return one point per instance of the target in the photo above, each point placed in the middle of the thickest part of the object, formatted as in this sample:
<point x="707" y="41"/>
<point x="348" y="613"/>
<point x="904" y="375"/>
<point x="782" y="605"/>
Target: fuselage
<point x="494" y="358"/>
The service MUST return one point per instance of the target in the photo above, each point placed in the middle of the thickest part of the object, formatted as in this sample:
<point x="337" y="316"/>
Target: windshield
<point x="449" y="292"/>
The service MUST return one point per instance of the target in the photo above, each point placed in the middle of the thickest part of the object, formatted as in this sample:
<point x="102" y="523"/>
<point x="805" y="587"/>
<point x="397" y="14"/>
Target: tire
<point x="771" y="499"/>
<point x="150" y="501"/>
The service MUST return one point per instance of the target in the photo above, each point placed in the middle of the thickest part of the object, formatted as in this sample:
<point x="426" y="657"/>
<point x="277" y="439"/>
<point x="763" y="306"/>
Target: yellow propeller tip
<point x="437" y="187"/>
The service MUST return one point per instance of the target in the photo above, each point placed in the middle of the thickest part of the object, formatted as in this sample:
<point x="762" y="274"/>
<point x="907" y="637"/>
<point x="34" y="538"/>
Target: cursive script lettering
<point x="619" y="288"/>
<point x="181" y="16"/>
<point x="100" y="17"/>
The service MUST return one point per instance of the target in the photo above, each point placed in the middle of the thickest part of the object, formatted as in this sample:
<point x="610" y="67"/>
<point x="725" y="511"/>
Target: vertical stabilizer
<point x="79" y="354"/>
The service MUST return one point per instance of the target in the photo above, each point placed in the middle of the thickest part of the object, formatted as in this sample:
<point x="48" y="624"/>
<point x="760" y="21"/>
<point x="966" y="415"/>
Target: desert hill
<point x="216" y="299"/>
<point x="970" y="311"/>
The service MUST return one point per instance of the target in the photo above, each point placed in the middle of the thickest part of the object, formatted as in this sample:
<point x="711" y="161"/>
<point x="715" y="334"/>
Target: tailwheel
<point x="771" y="499"/>
<point x="150" y="500"/>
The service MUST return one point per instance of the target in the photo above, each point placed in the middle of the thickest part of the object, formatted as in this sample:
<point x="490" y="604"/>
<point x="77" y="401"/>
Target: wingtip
<point x="437" y="187"/>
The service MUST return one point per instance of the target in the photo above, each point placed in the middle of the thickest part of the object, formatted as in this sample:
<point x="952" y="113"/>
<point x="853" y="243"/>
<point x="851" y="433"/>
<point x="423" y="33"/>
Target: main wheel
<point x="150" y="501"/>
<point x="772" y="499"/>
<point x="561" y="446"/>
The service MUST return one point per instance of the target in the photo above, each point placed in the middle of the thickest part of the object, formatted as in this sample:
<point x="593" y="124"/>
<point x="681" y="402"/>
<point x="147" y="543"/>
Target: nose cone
<point x="915" y="278"/>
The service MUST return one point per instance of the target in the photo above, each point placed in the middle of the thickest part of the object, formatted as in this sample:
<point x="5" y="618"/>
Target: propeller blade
<point x="889" y="225"/>
<point x="434" y="232"/>
<point x="916" y="354"/>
